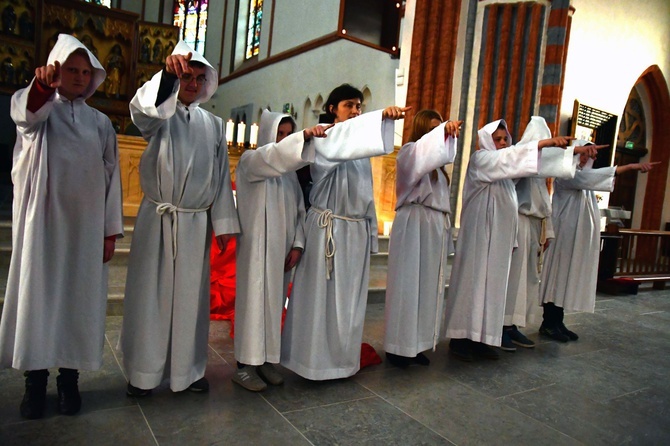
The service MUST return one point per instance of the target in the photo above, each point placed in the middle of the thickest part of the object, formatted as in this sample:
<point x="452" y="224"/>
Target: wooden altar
<point x="131" y="148"/>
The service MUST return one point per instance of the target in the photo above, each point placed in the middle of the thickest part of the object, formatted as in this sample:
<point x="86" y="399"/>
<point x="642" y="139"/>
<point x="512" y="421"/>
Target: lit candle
<point x="230" y="130"/>
<point x="241" y="128"/>
<point x="253" y="137"/>
<point x="387" y="227"/>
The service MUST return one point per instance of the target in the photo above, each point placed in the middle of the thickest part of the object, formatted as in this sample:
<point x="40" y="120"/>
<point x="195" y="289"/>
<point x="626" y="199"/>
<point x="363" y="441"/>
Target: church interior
<point x="593" y="69"/>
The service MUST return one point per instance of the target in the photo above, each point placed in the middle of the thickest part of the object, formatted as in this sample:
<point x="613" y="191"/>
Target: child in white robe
<point x="476" y="301"/>
<point x="185" y="178"/>
<point x="569" y="278"/>
<point x="272" y="215"/>
<point x="534" y="229"/>
<point x="420" y="241"/>
<point x="324" y="322"/>
<point x="66" y="217"/>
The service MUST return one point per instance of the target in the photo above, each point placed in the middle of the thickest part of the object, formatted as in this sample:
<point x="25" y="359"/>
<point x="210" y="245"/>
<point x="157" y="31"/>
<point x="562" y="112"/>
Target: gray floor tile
<point x="122" y="426"/>
<point x="369" y="421"/>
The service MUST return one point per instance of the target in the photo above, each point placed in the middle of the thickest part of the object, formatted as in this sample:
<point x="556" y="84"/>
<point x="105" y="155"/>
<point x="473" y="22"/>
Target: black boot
<point x="562" y="328"/>
<point x="69" y="400"/>
<point x="32" y="405"/>
<point x="550" y="323"/>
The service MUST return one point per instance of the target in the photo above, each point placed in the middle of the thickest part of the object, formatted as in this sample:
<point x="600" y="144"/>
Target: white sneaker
<point x="249" y="379"/>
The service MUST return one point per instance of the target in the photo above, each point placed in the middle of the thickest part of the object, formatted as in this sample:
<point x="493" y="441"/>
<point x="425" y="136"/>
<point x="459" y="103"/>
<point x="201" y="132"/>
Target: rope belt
<point x="325" y="220"/>
<point x="172" y="210"/>
<point x="543" y="240"/>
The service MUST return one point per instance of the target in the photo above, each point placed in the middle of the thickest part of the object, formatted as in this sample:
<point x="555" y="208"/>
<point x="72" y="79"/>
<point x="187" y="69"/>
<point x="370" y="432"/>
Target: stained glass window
<point x="254" y="27"/>
<point x="107" y="3"/>
<point x="191" y="17"/>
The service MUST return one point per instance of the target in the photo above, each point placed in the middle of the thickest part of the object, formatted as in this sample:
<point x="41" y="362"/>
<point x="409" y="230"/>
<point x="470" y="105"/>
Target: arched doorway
<point x="654" y="213"/>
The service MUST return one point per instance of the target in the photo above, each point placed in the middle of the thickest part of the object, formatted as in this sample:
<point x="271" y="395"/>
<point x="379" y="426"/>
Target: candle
<point x="230" y="130"/>
<point x="387" y="227"/>
<point x="253" y="137"/>
<point x="241" y="128"/>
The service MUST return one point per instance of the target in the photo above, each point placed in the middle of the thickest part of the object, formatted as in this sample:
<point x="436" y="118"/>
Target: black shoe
<point x="506" y="343"/>
<point x="485" y="351"/>
<point x="570" y="334"/>
<point x="519" y="338"/>
<point x="421" y="359"/>
<point x="553" y="333"/>
<point x="34" y="400"/>
<point x="136" y="391"/>
<point x="461" y="349"/>
<point x="399" y="361"/>
<point x="69" y="400"/>
<point x="200" y="386"/>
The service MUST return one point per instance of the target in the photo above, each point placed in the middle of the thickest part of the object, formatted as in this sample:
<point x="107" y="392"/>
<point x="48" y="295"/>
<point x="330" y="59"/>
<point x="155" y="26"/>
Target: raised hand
<point x="318" y="131"/>
<point x="590" y="150"/>
<point x="452" y="128"/>
<point x="642" y="167"/>
<point x="49" y="75"/>
<point x="645" y="167"/>
<point x="394" y="112"/>
<point x="556" y="141"/>
<point x="177" y="64"/>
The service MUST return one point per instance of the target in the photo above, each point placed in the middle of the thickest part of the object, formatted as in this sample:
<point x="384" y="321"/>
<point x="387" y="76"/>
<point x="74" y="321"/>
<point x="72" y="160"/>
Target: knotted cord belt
<point x="543" y="240"/>
<point x="162" y="208"/>
<point x="325" y="220"/>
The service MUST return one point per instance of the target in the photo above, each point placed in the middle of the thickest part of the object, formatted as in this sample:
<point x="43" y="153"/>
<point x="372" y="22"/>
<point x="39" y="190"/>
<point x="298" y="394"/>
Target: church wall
<point x="307" y="75"/>
<point x="299" y="21"/>
<point x="611" y="45"/>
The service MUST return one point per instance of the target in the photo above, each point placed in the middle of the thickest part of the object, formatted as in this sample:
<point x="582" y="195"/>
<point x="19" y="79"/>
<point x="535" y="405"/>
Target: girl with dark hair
<point x="421" y="240"/>
<point x="324" y="324"/>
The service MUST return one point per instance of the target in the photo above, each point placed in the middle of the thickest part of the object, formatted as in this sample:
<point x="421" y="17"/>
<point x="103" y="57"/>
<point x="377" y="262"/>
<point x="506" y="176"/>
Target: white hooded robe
<point x="419" y="245"/>
<point x="272" y="215"/>
<point x="324" y="323"/>
<point x="184" y="173"/>
<point x="67" y="199"/>
<point x="523" y="287"/>
<point x="569" y="277"/>
<point x="476" y="300"/>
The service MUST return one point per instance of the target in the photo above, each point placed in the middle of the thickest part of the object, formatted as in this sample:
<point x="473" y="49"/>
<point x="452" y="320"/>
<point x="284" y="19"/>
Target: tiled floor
<point x="610" y="387"/>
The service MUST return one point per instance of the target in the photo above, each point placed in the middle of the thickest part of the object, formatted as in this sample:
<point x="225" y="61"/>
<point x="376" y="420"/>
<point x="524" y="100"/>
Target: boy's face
<point x="76" y="74"/>
<point x="346" y="109"/>
<point x="284" y="129"/>
<point x="191" y="84"/>
<point x="500" y="139"/>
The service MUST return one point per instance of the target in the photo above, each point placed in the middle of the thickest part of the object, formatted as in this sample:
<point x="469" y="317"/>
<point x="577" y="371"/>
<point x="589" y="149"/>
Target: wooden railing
<point x="643" y="252"/>
<point x="631" y="256"/>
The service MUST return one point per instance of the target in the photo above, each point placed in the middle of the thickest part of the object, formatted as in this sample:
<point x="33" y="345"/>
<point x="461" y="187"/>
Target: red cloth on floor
<point x="222" y="283"/>
<point x="369" y="356"/>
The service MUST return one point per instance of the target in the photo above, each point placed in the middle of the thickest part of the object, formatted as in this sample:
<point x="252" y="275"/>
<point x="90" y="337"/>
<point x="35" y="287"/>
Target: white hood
<point x="66" y="45"/>
<point x="536" y="130"/>
<point x="486" y="135"/>
<point x="580" y="143"/>
<point x="267" y="130"/>
<point x="211" y="74"/>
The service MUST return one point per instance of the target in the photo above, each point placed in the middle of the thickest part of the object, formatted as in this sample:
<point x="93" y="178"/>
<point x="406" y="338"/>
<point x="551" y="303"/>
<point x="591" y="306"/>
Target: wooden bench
<point x="630" y="257"/>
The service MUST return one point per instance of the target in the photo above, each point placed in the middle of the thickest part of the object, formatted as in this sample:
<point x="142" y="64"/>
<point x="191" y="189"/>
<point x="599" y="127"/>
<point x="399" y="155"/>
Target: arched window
<point x="107" y="3"/>
<point x="191" y="17"/>
<point x="254" y="28"/>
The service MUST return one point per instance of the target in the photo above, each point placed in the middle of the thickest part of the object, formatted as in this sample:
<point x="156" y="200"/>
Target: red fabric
<point x="369" y="356"/>
<point x="222" y="283"/>
<point x="38" y="96"/>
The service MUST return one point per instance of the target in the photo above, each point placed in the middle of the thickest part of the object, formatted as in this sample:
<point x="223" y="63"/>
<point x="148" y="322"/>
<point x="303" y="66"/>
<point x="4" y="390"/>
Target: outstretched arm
<point x="642" y="167"/>
<point x="394" y="112"/>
